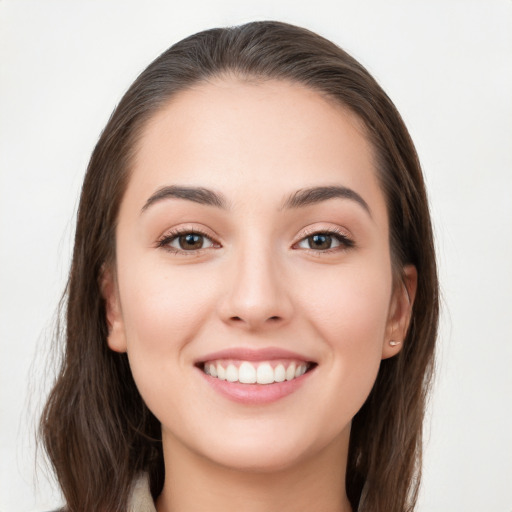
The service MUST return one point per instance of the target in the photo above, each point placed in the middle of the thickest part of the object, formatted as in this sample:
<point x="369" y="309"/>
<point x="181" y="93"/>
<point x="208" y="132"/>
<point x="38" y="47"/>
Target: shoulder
<point x="140" y="499"/>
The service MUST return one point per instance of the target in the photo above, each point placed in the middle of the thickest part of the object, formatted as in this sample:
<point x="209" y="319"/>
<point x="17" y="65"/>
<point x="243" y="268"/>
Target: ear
<point x="400" y="312"/>
<point x="116" y="333"/>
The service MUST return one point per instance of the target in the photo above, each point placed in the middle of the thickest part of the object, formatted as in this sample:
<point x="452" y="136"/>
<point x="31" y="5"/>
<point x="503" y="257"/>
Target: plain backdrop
<point x="448" y="67"/>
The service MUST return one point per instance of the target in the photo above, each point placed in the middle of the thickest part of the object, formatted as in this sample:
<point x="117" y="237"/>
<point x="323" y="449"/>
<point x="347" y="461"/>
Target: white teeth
<point x="246" y="373"/>
<point x="210" y="369"/>
<point x="290" y="372"/>
<point x="251" y="373"/>
<point x="231" y="373"/>
<point x="265" y="374"/>
<point x="301" y="370"/>
<point x="279" y="373"/>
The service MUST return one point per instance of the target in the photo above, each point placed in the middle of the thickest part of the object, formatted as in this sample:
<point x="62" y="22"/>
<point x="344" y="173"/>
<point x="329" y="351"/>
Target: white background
<point x="448" y="67"/>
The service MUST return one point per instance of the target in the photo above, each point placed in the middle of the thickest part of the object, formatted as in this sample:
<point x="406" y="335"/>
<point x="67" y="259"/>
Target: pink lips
<point x="248" y="354"/>
<point x="254" y="394"/>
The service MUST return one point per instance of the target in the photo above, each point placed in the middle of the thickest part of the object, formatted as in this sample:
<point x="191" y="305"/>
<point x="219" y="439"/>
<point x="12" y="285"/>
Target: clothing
<point x="140" y="499"/>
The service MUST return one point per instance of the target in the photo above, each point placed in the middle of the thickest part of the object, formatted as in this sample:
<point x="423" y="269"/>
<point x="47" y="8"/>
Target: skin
<point x="256" y="284"/>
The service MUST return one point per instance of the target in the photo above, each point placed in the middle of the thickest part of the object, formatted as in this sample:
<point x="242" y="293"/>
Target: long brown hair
<point x="96" y="429"/>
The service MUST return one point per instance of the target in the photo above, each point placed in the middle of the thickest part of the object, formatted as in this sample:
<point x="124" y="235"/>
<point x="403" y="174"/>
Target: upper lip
<point x="250" y="354"/>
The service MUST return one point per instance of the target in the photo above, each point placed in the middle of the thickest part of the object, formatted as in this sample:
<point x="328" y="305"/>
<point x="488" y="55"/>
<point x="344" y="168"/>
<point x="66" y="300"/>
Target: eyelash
<point x="168" y="238"/>
<point x="345" y="242"/>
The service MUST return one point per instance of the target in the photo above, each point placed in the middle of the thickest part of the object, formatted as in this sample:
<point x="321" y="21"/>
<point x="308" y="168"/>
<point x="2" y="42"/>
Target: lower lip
<point x="255" y="394"/>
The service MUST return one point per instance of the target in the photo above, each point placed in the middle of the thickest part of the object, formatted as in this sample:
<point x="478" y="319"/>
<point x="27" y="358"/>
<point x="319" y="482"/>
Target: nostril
<point x="254" y="322"/>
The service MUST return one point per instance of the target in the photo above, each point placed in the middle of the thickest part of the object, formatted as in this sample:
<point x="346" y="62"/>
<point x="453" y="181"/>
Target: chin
<point x="268" y="447"/>
<point x="257" y="458"/>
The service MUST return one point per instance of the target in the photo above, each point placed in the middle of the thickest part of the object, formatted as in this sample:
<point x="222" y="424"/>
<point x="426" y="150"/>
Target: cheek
<point x="348" y="308"/>
<point x="351" y="299"/>
<point x="162" y="309"/>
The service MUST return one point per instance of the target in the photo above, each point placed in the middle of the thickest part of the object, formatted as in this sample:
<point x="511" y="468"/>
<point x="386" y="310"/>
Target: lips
<point x="255" y="376"/>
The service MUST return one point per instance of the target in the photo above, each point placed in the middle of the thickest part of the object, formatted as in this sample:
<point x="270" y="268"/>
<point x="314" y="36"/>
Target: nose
<point x="256" y="295"/>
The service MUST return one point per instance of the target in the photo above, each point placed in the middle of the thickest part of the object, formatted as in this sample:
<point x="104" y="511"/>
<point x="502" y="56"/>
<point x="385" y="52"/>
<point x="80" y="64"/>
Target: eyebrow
<point x="199" y="195"/>
<point x="299" y="199"/>
<point x="314" y="195"/>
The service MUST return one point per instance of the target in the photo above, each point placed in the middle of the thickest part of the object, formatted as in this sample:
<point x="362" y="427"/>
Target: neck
<point x="194" y="483"/>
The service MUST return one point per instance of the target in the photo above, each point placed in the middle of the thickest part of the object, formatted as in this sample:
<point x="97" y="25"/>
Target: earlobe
<point x="400" y="312"/>
<point x="116" y="335"/>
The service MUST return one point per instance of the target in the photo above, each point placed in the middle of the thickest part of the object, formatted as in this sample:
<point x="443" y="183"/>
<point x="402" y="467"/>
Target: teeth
<point x="301" y="370"/>
<point x="231" y="373"/>
<point x="290" y="372"/>
<point x="265" y="374"/>
<point x="248" y="373"/>
<point x="221" y="373"/>
<point x="279" y="373"/>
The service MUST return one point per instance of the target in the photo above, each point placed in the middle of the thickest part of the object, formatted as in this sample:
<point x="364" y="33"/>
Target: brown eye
<point x="320" y="241"/>
<point x="325" y="241"/>
<point x="191" y="241"/>
<point x="187" y="242"/>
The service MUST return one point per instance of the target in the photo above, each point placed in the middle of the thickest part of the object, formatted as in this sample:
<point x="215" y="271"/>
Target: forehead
<point x="272" y="136"/>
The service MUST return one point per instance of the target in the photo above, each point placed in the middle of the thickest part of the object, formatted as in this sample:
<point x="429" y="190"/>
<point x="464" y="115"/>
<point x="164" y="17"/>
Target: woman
<point x="252" y="305"/>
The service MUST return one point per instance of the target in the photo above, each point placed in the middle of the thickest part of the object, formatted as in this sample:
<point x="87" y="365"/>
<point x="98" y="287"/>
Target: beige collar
<point x="140" y="497"/>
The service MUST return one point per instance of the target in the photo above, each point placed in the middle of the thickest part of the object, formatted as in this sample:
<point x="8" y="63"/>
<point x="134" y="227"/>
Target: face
<point x="253" y="289"/>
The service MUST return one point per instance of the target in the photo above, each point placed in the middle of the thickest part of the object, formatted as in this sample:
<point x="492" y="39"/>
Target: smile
<point x="255" y="376"/>
<point x="251" y="372"/>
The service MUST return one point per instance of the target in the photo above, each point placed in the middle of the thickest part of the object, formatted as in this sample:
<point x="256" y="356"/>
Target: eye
<point x="186" y="241"/>
<point x="325" y="241"/>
